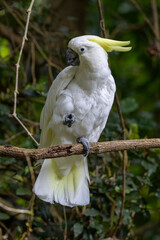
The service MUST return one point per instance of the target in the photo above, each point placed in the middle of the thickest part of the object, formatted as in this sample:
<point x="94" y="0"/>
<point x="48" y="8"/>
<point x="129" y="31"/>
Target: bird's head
<point x="90" y="46"/>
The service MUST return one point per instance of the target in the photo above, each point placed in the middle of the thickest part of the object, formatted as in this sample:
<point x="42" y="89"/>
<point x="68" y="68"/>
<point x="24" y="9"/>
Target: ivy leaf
<point x="4" y="48"/>
<point x="128" y="105"/>
<point x="4" y="216"/>
<point x="91" y="212"/>
<point x="23" y="191"/>
<point x="4" y="110"/>
<point x="150" y="167"/>
<point x="78" y="229"/>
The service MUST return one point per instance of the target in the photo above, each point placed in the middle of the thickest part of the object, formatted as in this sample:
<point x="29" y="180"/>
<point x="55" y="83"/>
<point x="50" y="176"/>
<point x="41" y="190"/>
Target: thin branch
<point x="44" y="55"/>
<point x="19" y="57"/>
<point x="103" y="28"/>
<point x="147" y="20"/>
<point x="28" y="132"/>
<point x="124" y="162"/>
<point x="33" y="63"/>
<point x="10" y="35"/>
<point x="33" y="39"/>
<point x="50" y="73"/>
<point x="12" y="13"/>
<point x="9" y="139"/>
<point x="77" y="149"/>
<point x="156" y="26"/>
<point x="30" y="169"/>
<point x="65" y="220"/>
<point x="17" y="72"/>
<point x="101" y="19"/>
<point x="15" y="210"/>
<point x="30" y="217"/>
<point x="30" y="122"/>
<point x="121" y="117"/>
<point x="142" y="229"/>
<point x="8" y="231"/>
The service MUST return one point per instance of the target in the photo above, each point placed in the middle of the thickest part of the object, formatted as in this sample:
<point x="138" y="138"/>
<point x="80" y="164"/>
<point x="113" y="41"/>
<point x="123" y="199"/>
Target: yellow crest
<point x="110" y="45"/>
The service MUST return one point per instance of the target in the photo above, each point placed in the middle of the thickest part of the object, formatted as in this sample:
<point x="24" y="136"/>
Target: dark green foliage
<point x="137" y="76"/>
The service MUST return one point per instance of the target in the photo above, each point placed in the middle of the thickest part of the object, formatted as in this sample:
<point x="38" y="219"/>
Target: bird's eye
<point x="82" y="49"/>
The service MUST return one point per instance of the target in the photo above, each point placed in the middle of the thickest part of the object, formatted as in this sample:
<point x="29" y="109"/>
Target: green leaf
<point x="4" y="48"/>
<point x="91" y="212"/>
<point x="22" y="202"/>
<point x="144" y="191"/>
<point x="128" y="105"/>
<point x="117" y="189"/>
<point x="133" y="133"/>
<point x="4" y="216"/>
<point x="23" y="191"/>
<point x="78" y="229"/>
<point x="4" y="110"/>
<point x="151" y="167"/>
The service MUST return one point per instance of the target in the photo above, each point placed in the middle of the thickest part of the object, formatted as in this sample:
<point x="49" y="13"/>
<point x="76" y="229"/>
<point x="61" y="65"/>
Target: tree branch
<point x="77" y="149"/>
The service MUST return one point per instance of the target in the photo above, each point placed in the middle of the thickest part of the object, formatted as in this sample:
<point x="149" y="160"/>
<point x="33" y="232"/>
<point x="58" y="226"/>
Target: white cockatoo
<point x="76" y="110"/>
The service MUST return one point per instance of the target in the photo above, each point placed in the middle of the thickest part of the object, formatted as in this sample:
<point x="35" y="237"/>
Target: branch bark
<point x="77" y="149"/>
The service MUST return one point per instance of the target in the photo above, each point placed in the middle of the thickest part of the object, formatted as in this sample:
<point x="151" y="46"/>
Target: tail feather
<point x="67" y="185"/>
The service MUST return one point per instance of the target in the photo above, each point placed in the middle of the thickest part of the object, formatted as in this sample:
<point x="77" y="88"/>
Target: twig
<point x="145" y="227"/>
<point x="65" y="221"/>
<point x="17" y="73"/>
<point x="29" y="134"/>
<point x="30" y="220"/>
<point x="8" y="231"/>
<point x="137" y="6"/>
<point x="33" y="39"/>
<point x="44" y="55"/>
<point x="77" y="149"/>
<point x="19" y="57"/>
<point x="121" y="117"/>
<point x="23" y="236"/>
<point x="124" y="162"/>
<point x="10" y="35"/>
<point x="12" y="13"/>
<point x="102" y="25"/>
<point x="156" y="26"/>
<point x="30" y="217"/>
<point x="9" y="139"/>
<point x="33" y="63"/>
<point x="147" y="20"/>
<point x="30" y="122"/>
<point x="50" y="73"/>
<point x="30" y="169"/>
<point x="15" y="210"/>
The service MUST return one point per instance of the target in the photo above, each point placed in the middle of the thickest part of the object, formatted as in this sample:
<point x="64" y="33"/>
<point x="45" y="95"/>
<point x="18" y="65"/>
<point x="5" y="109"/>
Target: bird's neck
<point x="93" y="76"/>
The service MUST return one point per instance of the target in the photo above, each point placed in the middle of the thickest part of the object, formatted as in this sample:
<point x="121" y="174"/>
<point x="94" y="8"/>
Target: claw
<point x="69" y="119"/>
<point x="85" y="144"/>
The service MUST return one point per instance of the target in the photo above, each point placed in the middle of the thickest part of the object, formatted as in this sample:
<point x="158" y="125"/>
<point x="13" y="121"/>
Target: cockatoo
<point x="76" y="110"/>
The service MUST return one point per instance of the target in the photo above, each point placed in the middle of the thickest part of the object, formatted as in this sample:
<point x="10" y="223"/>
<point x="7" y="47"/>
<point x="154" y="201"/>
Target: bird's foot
<point x="85" y="144"/>
<point x="69" y="119"/>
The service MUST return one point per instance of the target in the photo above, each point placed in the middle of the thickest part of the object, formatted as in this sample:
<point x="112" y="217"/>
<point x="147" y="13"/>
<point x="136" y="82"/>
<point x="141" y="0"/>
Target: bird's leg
<point x="84" y="141"/>
<point x="69" y="119"/>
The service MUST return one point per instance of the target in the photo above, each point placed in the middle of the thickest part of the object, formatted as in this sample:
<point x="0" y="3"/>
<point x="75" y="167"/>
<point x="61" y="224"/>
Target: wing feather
<point x="58" y="85"/>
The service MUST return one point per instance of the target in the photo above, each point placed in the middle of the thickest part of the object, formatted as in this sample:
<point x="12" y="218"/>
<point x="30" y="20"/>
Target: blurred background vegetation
<point x="137" y="76"/>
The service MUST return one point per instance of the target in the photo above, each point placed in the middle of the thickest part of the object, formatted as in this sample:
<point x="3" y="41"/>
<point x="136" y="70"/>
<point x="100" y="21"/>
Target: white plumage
<point x="87" y="91"/>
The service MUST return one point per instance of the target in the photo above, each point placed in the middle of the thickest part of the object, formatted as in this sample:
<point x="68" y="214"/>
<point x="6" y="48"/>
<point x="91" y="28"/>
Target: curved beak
<point x="72" y="57"/>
